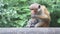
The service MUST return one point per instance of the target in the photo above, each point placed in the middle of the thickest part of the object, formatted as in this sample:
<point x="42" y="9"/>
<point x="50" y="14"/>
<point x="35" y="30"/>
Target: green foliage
<point x="16" y="13"/>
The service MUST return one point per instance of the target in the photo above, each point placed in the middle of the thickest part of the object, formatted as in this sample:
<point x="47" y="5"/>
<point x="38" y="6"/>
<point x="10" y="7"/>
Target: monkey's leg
<point x="42" y="24"/>
<point x="39" y="24"/>
<point x="46" y="24"/>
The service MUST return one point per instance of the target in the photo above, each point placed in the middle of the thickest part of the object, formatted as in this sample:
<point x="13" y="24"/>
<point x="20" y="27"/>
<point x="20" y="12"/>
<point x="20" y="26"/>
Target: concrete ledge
<point x="29" y="30"/>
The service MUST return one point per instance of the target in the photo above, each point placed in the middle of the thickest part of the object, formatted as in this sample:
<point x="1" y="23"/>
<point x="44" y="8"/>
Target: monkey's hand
<point x="39" y="16"/>
<point x="45" y="17"/>
<point x="34" y="16"/>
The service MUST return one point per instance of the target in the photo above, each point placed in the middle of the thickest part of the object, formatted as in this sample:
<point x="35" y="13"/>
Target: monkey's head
<point x="35" y="8"/>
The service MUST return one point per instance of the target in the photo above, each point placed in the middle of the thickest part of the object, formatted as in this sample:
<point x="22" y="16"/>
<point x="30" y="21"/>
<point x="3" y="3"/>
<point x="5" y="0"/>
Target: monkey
<point x="40" y="16"/>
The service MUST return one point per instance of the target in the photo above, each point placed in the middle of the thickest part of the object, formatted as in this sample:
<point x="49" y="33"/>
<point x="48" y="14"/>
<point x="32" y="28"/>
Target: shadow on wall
<point x="55" y="19"/>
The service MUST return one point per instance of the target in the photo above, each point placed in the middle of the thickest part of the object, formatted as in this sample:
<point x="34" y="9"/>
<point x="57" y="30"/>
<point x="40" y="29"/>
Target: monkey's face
<point x="35" y="8"/>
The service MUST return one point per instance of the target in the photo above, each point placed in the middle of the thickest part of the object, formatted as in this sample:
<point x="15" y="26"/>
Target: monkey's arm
<point x="46" y="14"/>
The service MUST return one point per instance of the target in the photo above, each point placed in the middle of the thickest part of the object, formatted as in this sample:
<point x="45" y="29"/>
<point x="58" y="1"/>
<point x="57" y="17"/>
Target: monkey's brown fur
<point x="40" y="16"/>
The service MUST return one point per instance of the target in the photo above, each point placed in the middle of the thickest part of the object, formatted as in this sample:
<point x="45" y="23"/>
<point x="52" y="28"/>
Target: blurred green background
<point x="16" y="13"/>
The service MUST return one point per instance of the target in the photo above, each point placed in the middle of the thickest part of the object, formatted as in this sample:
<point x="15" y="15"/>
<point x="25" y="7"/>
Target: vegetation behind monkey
<point x="40" y="16"/>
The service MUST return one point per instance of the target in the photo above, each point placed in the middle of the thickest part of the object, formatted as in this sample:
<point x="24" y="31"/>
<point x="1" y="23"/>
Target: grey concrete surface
<point x="29" y="30"/>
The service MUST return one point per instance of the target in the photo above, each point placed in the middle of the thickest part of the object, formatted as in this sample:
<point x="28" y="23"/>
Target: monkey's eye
<point x="39" y="6"/>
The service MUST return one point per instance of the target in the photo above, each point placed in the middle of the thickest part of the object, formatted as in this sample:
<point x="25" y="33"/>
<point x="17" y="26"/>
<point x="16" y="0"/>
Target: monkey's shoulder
<point x="43" y="6"/>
